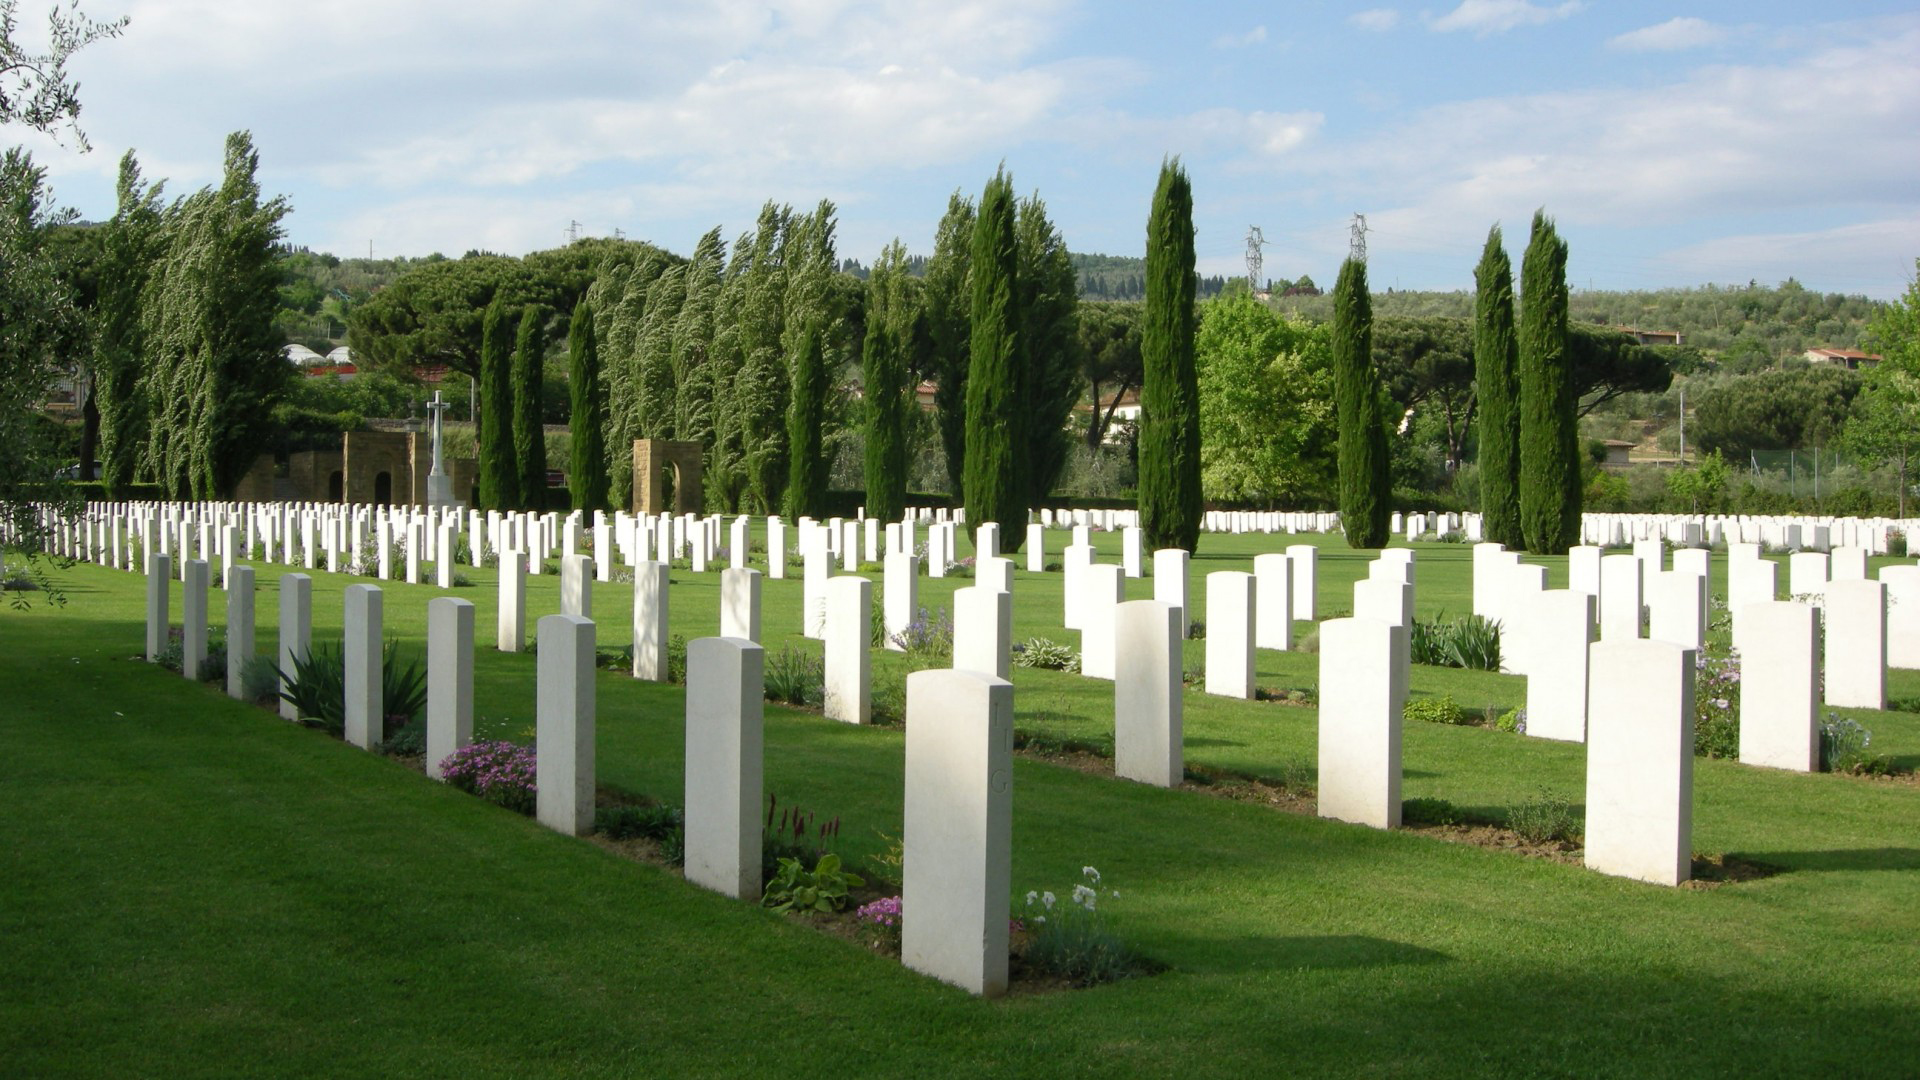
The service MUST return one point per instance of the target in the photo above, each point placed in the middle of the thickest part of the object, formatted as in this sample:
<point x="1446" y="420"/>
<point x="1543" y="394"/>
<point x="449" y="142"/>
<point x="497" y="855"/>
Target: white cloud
<point x="1485" y="17"/>
<point x="1720" y="142"/>
<point x="1378" y="20"/>
<point x="1235" y="41"/>
<point x="1873" y="257"/>
<point x="1683" y="32"/>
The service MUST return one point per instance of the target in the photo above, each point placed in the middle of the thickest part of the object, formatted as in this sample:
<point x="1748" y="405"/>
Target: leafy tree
<point x="1549" y="438"/>
<point x="694" y="377"/>
<point x="1885" y="426"/>
<point x="1426" y="363"/>
<point x="1605" y="364"/>
<point x="499" y="472"/>
<point x="893" y="318"/>
<point x="529" y="430"/>
<point x="35" y="89"/>
<point x="992" y="482"/>
<point x="133" y="242"/>
<point x="949" y="292"/>
<point x="753" y="439"/>
<point x="806" y="412"/>
<point x="215" y="365"/>
<point x="1109" y="357"/>
<point x="812" y="320"/>
<point x="587" y="472"/>
<point x="1497" y="388"/>
<point x="1050" y="344"/>
<point x="1701" y="484"/>
<point x="1170" y="504"/>
<point x="1267" y="427"/>
<point x="1366" y="485"/>
<point x="1784" y="409"/>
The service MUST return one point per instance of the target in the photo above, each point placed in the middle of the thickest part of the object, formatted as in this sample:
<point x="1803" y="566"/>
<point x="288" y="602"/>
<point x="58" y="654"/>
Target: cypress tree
<point x="990" y="479"/>
<point x="499" y="478"/>
<point x="1549" y="439"/>
<point x="1497" y="387"/>
<point x="884" y="378"/>
<point x="949" y="293"/>
<point x="587" y="471"/>
<point x="806" y="493"/>
<point x="1050" y="339"/>
<point x="1365" y="483"/>
<point x="1170" y="506"/>
<point x="529" y="432"/>
<point x="133" y="242"/>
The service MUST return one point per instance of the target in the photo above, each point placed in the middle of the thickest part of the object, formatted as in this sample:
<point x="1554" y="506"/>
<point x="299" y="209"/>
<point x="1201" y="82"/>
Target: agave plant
<point x="317" y="686"/>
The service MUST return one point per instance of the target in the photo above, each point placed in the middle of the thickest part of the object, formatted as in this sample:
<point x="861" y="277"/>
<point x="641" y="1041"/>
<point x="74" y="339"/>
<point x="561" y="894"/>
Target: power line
<point x="1255" y="241"/>
<point x="1357" y="239"/>
<point x="573" y="231"/>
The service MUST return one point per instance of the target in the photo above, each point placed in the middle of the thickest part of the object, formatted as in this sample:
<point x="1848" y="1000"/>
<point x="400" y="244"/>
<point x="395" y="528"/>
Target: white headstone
<point x="1074" y="565"/>
<point x="159" y="584"/>
<point x="576" y="586"/>
<point x="449" y="679"/>
<point x="1619" y="597"/>
<point x="1230" y="600"/>
<point x="1147" y="694"/>
<point x="1560" y="627"/>
<point x="240" y="644"/>
<point x="957" y="866"/>
<point x="1903" y="615"/>
<point x="564" y="725"/>
<point x="1677" y="608"/>
<point x="740" y="603"/>
<point x="193" y="619"/>
<point x="1640" y="760"/>
<point x="1361" y="699"/>
<point x="650" y="621"/>
<point x="1273" y="601"/>
<point x="849" y="628"/>
<point x="1305" y="563"/>
<point x="296" y="632"/>
<point x="1806" y="573"/>
<point x="1036" y="548"/>
<point x="1170" y="584"/>
<point x="1103" y="587"/>
<point x="1779" y="645"/>
<point x="512" y="630"/>
<point x="900" y="597"/>
<point x="1131" y="546"/>
<point x="365" y="713"/>
<point x="724" y="762"/>
<point x="982" y="630"/>
<point x="1856" y="644"/>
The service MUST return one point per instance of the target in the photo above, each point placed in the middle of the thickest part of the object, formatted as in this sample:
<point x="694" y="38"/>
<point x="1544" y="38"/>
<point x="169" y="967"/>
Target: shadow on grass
<point x="1843" y="859"/>
<point x="1332" y="952"/>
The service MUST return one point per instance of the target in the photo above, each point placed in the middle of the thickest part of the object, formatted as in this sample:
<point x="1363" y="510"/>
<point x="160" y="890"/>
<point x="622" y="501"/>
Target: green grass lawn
<point x="194" y="887"/>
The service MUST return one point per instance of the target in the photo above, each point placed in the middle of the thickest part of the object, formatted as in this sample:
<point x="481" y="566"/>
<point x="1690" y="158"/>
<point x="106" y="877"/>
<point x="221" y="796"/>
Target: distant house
<point x="1617" y="450"/>
<point x="1651" y="337"/>
<point x="337" y="364"/>
<point x="1851" y="359"/>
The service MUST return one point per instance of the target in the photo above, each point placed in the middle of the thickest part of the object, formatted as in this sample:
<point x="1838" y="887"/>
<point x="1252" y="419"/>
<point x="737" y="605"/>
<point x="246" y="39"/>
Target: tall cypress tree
<point x="806" y="493"/>
<point x="134" y="240"/>
<point x="884" y="377"/>
<point x="1496" y="382"/>
<point x="529" y="432"/>
<point x="1170" y="506"/>
<point x="587" y="471"/>
<point x="499" y="476"/>
<point x="990" y="478"/>
<point x="949" y="293"/>
<point x="1549" y="437"/>
<point x="1050" y="339"/>
<point x="1365" y="482"/>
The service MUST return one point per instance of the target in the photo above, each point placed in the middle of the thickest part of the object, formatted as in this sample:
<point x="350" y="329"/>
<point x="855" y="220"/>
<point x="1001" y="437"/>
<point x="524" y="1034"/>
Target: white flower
<point x="1084" y="896"/>
<point x="1115" y="894"/>
<point x="1047" y="899"/>
<point x="1092" y="874"/>
<point x="1031" y="897"/>
<point x="1039" y="918"/>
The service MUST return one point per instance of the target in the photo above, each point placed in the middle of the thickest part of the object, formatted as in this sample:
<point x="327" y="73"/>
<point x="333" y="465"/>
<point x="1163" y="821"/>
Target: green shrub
<point x="1042" y="653"/>
<point x="1071" y="940"/>
<point x="1437" y="710"/>
<point x="1548" y="817"/>
<point x="1844" y="748"/>
<point x="822" y="889"/>
<point x="1469" y="642"/>
<point x="317" y="687"/>
<point x="654" y="822"/>
<point x="795" y="677"/>
<point x="1429" y="811"/>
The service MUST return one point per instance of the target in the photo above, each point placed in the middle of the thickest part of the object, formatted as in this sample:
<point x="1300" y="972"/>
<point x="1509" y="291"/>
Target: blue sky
<point x="1673" y="145"/>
